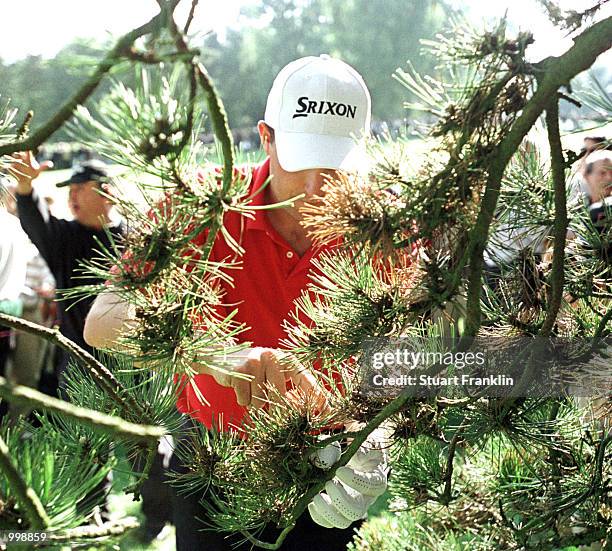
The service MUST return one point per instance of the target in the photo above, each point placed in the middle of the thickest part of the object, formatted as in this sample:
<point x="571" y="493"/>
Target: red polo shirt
<point x="272" y="276"/>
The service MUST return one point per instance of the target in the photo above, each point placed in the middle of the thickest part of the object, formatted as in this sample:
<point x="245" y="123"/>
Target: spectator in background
<point x="66" y="244"/>
<point x="598" y="180"/>
<point x="31" y="352"/>
<point x="598" y="175"/>
<point x="591" y="144"/>
<point x="12" y="279"/>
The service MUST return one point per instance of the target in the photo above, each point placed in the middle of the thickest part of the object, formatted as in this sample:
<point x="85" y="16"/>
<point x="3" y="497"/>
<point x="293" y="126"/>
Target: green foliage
<point x="145" y="385"/>
<point x="414" y="531"/>
<point x="353" y="301"/>
<point x="418" y="469"/>
<point x="597" y="98"/>
<point x="273" y="449"/>
<point x="517" y="470"/>
<point x="501" y="489"/>
<point x="62" y="463"/>
<point x="143" y="125"/>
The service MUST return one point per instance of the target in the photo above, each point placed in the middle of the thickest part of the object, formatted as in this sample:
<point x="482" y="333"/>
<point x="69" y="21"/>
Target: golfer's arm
<point x="109" y="317"/>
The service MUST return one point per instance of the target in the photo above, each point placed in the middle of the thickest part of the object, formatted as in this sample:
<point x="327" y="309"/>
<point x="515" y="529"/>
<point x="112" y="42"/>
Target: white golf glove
<point x="348" y="496"/>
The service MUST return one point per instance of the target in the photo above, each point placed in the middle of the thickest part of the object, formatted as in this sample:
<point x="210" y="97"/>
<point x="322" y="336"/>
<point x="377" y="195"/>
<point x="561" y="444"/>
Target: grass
<point x="123" y="505"/>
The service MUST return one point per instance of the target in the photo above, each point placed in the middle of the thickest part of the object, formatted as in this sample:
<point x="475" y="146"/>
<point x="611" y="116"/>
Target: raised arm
<point x="42" y="228"/>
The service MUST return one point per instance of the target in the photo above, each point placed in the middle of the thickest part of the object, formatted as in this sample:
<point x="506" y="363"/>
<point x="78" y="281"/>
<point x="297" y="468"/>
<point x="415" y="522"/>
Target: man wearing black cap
<point x="64" y="244"/>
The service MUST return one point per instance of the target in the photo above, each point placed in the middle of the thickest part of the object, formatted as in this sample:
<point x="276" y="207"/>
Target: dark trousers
<point x="156" y="495"/>
<point x="5" y="352"/>
<point x="193" y="531"/>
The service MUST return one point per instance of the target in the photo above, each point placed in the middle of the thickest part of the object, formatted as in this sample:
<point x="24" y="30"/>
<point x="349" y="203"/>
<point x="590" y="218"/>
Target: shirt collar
<point x="260" y="220"/>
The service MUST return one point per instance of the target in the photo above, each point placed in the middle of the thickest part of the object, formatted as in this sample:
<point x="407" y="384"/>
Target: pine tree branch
<point x="602" y="325"/>
<point x="26" y="496"/>
<point x="105" y="380"/>
<point x="144" y="475"/>
<point x="216" y="110"/>
<point x="590" y="491"/>
<point x="98" y="421"/>
<point x="557" y="273"/>
<point x="24" y="129"/>
<point x="264" y="545"/>
<point x="111" y="528"/>
<point x="553" y="73"/>
<point x="194" y="4"/>
<point x="569" y="19"/>
<point x="446" y="496"/>
<point x="149" y="58"/>
<point x="121" y="49"/>
<point x="193" y="89"/>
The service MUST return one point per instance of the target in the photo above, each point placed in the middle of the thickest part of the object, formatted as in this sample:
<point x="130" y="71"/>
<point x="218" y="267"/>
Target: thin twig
<point x="445" y="497"/>
<point x="150" y="58"/>
<point x="569" y="99"/>
<point x="266" y="545"/>
<point x="111" y="528"/>
<point x="194" y="4"/>
<point x="25" y="496"/>
<point x="24" y="129"/>
<point x="98" y="421"/>
<point x="135" y="488"/>
<point x="602" y="326"/>
<point x="557" y="273"/>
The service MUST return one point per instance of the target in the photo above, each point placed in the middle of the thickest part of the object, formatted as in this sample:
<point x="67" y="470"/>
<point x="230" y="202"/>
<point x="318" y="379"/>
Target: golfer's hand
<point x="263" y="372"/>
<point x="26" y="168"/>
<point x="348" y="496"/>
<point x="256" y="375"/>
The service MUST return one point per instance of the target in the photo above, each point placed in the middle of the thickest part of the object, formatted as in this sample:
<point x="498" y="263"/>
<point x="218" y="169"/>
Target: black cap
<point x="88" y="171"/>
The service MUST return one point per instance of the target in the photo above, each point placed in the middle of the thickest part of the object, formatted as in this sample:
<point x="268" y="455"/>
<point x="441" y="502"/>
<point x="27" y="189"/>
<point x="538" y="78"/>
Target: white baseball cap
<point x="319" y="108"/>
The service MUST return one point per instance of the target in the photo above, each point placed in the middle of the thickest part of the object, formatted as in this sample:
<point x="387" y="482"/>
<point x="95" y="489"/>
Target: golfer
<point x="316" y="114"/>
